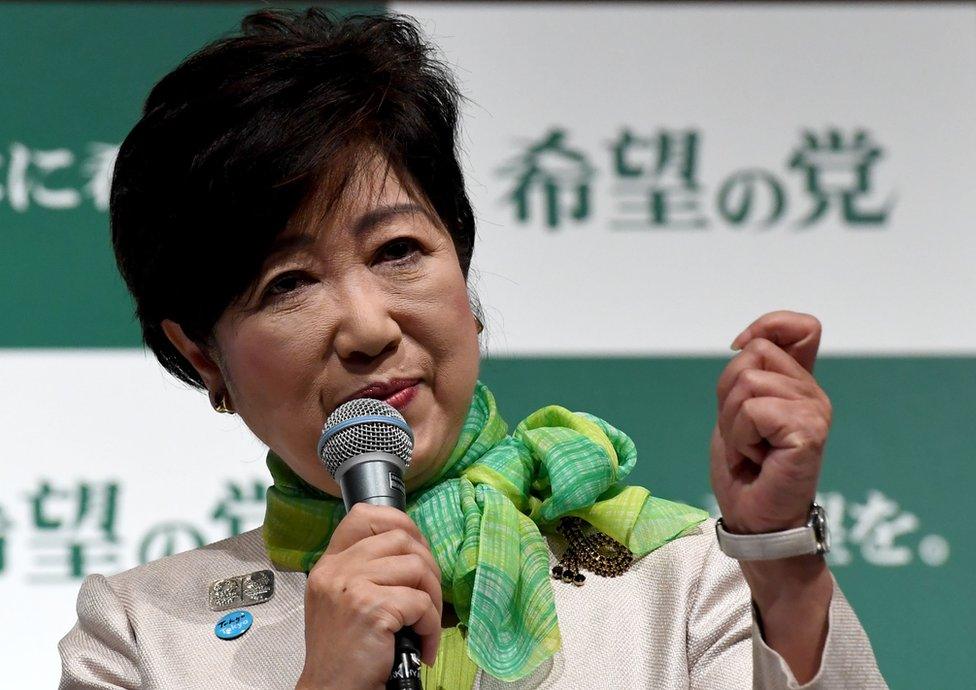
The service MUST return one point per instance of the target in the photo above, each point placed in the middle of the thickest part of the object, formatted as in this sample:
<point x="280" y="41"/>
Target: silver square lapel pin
<point x="241" y="590"/>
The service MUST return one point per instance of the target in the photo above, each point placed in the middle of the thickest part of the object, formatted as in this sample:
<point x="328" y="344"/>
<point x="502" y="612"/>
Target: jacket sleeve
<point x="100" y="651"/>
<point x="726" y="648"/>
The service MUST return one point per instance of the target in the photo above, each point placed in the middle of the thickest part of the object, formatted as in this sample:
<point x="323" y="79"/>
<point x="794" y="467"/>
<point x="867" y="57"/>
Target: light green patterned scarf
<point x="482" y="515"/>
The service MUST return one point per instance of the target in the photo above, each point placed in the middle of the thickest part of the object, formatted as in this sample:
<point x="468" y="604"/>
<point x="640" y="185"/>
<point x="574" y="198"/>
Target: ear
<point x="195" y="355"/>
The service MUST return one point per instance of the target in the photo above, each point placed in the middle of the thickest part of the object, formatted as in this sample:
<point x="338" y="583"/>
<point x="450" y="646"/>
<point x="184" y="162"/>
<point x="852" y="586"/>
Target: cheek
<point x="466" y="352"/>
<point x="447" y="326"/>
<point x="452" y="341"/>
<point x="269" y="367"/>
<point x="260" y="357"/>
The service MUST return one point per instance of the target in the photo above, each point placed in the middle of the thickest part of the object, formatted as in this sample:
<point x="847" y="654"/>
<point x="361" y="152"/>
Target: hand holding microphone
<point x="375" y="592"/>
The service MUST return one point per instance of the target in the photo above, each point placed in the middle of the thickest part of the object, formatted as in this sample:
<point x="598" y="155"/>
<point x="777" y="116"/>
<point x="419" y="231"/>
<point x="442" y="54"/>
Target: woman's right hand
<point x="377" y="576"/>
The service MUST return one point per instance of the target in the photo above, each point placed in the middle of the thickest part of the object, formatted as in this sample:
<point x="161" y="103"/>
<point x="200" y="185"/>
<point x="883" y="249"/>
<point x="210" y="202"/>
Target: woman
<point x="290" y="217"/>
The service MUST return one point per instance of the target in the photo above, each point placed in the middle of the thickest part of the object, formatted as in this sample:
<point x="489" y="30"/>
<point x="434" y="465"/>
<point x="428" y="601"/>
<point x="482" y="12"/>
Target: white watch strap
<point x="764" y="547"/>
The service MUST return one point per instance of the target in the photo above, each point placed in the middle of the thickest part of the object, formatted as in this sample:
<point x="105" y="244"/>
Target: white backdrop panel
<point x="750" y="80"/>
<point x="69" y="418"/>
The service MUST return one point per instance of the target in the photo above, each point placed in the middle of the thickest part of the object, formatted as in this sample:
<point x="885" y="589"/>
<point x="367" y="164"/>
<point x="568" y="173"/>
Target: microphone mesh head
<point x="370" y="435"/>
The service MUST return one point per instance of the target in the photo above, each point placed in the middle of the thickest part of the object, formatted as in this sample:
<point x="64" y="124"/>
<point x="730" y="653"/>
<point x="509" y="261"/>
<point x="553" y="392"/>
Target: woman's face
<point x="370" y="302"/>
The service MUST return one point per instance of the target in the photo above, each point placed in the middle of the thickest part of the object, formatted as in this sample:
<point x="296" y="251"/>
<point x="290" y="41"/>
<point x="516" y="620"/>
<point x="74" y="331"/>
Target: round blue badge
<point x="233" y="625"/>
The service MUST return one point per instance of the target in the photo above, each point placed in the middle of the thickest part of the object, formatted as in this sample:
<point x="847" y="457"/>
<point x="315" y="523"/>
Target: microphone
<point x="366" y="446"/>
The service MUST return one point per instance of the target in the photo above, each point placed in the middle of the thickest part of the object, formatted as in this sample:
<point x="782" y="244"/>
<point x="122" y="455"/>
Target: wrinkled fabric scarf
<point x="484" y="514"/>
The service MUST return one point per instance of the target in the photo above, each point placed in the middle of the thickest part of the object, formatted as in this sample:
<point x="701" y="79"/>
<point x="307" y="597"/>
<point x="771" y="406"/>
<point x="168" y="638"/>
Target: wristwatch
<point x="812" y="538"/>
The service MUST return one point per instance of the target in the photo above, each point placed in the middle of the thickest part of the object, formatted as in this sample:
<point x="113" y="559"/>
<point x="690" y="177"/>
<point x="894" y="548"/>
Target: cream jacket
<point x="681" y="617"/>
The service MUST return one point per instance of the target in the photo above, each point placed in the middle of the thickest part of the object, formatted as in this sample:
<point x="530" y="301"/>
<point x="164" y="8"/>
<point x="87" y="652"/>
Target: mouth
<point x="397" y="393"/>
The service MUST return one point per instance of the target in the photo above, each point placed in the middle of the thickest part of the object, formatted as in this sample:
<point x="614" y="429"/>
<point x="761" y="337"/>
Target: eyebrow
<point x="382" y="214"/>
<point x="364" y="224"/>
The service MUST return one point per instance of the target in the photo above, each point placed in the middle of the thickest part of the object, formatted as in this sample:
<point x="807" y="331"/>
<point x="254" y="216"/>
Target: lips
<point x="384" y="390"/>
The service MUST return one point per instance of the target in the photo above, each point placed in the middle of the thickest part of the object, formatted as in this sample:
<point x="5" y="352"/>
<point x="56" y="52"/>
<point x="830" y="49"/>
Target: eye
<point x="285" y="284"/>
<point x="400" y="250"/>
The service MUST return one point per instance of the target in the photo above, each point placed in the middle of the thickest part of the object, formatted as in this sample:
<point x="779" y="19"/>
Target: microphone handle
<point x="377" y="478"/>
<point x="406" y="661"/>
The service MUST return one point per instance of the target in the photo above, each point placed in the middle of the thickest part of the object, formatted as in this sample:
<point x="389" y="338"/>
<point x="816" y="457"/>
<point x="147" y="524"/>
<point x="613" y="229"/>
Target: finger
<point x="726" y="461"/>
<point x="744" y="438"/>
<point x="757" y="383"/>
<point x="798" y="334"/>
<point x="408" y="606"/>
<point x="365" y="520"/>
<point x="766" y="424"/>
<point x="408" y="570"/>
<point x="393" y="543"/>
<point x="760" y="353"/>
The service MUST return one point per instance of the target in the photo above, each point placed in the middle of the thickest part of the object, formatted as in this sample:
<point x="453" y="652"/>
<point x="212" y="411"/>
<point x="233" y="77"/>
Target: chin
<point x="419" y="471"/>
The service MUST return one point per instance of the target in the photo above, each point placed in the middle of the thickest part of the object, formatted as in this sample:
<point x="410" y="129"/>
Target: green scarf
<point x="482" y="515"/>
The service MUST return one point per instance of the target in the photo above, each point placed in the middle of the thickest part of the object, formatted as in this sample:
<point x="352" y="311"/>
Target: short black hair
<point x="243" y="132"/>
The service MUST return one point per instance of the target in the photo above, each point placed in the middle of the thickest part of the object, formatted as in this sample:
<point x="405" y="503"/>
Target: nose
<point x="367" y="329"/>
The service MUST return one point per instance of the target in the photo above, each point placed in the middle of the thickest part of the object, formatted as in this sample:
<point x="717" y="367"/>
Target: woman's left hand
<point x="767" y="449"/>
<point x="773" y="420"/>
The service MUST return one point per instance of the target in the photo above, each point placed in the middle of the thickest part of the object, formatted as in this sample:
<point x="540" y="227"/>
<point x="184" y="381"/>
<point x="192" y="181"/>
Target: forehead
<point x="344" y="196"/>
<point x="350" y="203"/>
